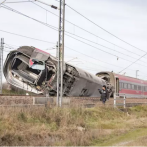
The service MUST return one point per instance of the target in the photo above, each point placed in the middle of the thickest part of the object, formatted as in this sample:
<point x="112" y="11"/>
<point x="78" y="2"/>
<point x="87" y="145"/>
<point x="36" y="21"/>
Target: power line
<point x="91" y="22"/>
<point x="80" y="36"/>
<point x="98" y="60"/>
<point x="87" y="31"/>
<point x="54" y="28"/>
<point x="102" y="50"/>
<point x="104" y="29"/>
<point x="133" y="62"/>
<point x="27" y="37"/>
<point x="2" y="2"/>
<point x="17" y="2"/>
<point x="92" y="57"/>
<point x="95" y="63"/>
<point x="105" y="47"/>
<point x="13" y="10"/>
<point x="11" y="45"/>
<point x="8" y="47"/>
<point x="96" y="36"/>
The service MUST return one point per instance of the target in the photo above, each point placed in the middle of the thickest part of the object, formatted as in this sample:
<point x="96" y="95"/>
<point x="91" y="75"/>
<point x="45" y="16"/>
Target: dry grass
<point x="68" y="126"/>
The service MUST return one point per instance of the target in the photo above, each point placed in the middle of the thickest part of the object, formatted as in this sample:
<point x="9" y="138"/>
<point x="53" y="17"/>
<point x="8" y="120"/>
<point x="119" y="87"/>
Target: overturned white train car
<point x="34" y="70"/>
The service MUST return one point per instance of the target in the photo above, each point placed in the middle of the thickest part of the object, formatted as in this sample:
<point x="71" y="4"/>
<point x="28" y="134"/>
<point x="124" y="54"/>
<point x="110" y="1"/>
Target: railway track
<point x="7" y="100"/>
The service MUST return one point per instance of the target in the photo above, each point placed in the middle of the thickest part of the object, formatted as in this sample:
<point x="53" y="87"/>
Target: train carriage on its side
<point x="120" y="84"/>
<point x="34" y="70"/>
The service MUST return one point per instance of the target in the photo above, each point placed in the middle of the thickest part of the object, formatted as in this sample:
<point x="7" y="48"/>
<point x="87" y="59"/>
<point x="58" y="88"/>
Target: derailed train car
<point x="34" y="70"/>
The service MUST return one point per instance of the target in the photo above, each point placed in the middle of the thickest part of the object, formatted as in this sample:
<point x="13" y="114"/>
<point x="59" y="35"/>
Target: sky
<point x="126" y="19"/>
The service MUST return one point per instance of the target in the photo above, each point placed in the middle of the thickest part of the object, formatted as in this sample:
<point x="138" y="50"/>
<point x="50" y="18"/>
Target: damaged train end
<point x="28" y="68"/>
<point x="34" y="70"/>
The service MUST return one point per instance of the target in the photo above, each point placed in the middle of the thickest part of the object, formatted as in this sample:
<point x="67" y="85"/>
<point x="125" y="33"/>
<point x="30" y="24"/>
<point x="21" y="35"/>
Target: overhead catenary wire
<point x="92" y="57"/>
<point x="2" y="2"/>
<point x="99" y="60"/>
<point x="141" y="57"/>
<point x="106" y="47"/>
<point x="96" y="36"/>
<point x="104" y="29"/>
<point x="103" y="50"/>
<point x="11" y="45"/>
<point x="133" y="62"/>
<point x="17" y="2"/>
<point x="27" y="37"/>
<point x="54" y="28"/>
<point x="13" y="10"/>
<point x="88" y="31"/>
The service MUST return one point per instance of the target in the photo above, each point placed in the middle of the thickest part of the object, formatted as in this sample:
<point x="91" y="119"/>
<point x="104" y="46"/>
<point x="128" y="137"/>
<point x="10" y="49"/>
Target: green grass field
<point x="99" y="126"/>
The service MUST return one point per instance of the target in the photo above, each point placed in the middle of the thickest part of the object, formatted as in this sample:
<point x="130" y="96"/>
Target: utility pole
<point x="137" y="73"/>
<point x="58" y="72"/>
<point x="61" y="50"/>
<point x="1" y="64"/>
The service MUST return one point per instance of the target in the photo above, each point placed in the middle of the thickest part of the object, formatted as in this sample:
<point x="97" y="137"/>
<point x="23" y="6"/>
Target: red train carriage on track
<point x="131" y="87"/>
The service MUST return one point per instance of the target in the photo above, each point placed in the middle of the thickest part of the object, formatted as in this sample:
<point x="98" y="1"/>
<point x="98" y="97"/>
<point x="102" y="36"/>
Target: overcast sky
<point x="127" y="19"/>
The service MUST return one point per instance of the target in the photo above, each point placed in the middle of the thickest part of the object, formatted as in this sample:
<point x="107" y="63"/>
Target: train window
<point x="135" y="87"/>
<point x="129" y="86"/>
<point x="125" y="85"/>
<point x="139" y="87"/>
<point x="120" y="85"/>
<point x="145" y="88"/>
<point x="132" y="86"/>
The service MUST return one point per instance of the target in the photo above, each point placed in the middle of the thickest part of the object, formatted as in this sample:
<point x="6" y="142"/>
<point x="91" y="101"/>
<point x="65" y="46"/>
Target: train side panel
<point x="132" y="87"/>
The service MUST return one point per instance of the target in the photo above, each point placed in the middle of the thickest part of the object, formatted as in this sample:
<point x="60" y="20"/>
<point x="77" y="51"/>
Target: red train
<point x="131" y="87"/>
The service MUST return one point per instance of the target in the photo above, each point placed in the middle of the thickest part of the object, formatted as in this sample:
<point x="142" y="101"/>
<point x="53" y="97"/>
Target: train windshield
<point x="35" y="64"/>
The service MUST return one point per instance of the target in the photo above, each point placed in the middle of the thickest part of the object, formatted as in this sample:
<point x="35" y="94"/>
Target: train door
<point x="142" y="90"/>
<point x="116" y="85"/>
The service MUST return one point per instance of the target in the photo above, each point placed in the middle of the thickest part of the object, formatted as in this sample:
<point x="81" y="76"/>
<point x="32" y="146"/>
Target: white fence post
<point x="114" y="99"/>
<point x="124" y="101"/>
<point x="120" y="98"/>
<point x="33" y="100"/>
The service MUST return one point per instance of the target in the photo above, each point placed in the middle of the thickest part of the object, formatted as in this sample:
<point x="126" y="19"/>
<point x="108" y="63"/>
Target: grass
<point x="12" y="92"/>
<point x="16" y="92"/>
<point x="99" y="126"/>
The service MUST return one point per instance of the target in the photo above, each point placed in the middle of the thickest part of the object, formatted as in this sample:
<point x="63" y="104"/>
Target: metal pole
<point x="1" y="65"/>
<point x="58" y="74"/>
<point x="114" y="99"/>
<point x="62" y="62"/>
<point x="57" y="51"/>
<point x="61" y="46"/>
<point x="1" y="68"/>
